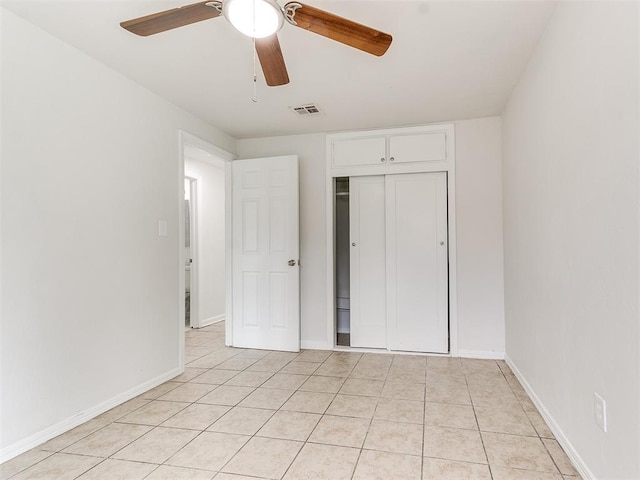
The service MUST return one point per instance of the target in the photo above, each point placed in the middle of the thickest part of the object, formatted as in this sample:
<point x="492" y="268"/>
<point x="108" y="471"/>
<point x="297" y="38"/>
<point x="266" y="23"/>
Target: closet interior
<point x="342" y="281"/>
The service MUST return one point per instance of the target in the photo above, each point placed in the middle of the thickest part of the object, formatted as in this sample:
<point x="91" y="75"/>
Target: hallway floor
<point x="250" y="414"/>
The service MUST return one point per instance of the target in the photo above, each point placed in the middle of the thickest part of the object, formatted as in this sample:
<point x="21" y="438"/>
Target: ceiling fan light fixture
<point x="254" y="18"/>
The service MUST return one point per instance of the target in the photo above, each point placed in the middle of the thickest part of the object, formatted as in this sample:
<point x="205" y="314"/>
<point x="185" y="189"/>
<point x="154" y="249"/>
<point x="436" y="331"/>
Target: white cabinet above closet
<point x="359" y="151"/>
<point x="391" y="147"/>
<point x="420" y="147"/>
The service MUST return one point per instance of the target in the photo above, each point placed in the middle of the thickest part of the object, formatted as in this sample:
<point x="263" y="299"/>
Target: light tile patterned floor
<point x="248" y="414"/>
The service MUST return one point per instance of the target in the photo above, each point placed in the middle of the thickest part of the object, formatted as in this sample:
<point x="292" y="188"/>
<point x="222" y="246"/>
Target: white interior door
<point x="367" y="272"/>
<point x="266" y="276"/>
<point x="417" y="262"/>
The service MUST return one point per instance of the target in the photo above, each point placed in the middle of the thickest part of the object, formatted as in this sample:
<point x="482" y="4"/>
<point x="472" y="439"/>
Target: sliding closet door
<point x="367" y="264"/>
<point x="417" y="270"/>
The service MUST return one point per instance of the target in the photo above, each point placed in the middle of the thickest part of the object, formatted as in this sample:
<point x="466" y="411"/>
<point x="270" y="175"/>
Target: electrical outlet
<point x="600" y="411"/>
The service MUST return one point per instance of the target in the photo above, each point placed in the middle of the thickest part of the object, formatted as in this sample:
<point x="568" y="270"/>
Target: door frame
<point x="186" y="139"/>
<point x="447" y="166"/>
<point x="193" y="248"/>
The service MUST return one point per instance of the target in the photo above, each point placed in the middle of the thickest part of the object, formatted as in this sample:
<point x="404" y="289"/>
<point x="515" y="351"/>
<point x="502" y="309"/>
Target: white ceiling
<point x="448" y="60"/>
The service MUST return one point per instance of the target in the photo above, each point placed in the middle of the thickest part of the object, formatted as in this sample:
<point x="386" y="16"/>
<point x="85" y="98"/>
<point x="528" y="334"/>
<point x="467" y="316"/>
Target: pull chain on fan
<point x="268" y="18"/>
<point x="255" y="75"/>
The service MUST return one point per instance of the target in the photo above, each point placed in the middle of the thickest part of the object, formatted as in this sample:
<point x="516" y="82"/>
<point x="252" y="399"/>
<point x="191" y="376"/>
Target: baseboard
<point x="562" y="439"/>
<point x="314" y="345"/>
<point x="211" y="320"/>
<point x="59" y="428"/>
<point x="480" y="354"/>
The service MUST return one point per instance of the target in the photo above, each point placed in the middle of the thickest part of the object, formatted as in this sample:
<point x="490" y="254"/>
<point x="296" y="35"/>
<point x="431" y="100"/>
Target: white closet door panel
<point x="266" y="300"/>
<point x="368" y="270"/>
<point x="360" y="151"/>
<point x="417" y="270"/>
<point x="425" y="147"/>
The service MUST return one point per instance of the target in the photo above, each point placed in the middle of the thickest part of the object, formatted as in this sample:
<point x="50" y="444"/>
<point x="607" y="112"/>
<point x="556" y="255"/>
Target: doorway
<point x="204" y="244"/>
<point x="205" y="237"/>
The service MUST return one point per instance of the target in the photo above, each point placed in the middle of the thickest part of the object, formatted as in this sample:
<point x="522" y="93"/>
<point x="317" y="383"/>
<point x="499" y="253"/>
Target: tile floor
<point x="248" y="414"/>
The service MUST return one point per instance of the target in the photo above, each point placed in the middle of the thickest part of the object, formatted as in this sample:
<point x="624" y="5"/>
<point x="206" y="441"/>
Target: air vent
<point x="308" y="110"/>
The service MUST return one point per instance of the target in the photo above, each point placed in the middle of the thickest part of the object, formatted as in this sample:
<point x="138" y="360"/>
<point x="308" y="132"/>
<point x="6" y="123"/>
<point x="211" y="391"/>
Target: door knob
<point x="292" y="263"/>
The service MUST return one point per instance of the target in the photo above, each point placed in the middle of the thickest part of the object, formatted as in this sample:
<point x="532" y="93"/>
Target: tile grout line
<point x="364" y="440"/>
<point x="424" y="420"/>
<point x="475" y="414"/>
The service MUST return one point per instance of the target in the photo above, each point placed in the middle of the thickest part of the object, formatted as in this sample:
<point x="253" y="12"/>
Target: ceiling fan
<point x="261" y="20"/>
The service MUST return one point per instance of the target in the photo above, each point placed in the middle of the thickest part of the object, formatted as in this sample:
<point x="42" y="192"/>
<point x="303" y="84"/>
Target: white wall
<point x="571" y="231"/>
<point x="479" y="243"/>
<point x="210" y="224"/>
<point x="479" y="210"/>
<point x="89" y="301"/>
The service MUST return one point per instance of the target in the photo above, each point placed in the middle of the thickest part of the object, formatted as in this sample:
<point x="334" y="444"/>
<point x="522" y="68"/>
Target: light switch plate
<point x="162" y="228"/>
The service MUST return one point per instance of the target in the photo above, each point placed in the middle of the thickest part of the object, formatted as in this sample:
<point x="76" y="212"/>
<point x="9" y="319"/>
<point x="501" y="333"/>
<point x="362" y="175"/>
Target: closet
<point x="391" y="249"/>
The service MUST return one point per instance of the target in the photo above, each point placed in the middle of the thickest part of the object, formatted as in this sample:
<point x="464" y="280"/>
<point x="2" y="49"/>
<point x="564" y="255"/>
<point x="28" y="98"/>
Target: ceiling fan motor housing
<point x="254" y="18"/>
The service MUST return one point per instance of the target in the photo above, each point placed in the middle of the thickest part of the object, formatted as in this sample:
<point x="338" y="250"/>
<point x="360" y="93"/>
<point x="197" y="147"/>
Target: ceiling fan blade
<point x="169" y="19"/>
<point x="340" y="29"/>
<point x="272" y="61"/>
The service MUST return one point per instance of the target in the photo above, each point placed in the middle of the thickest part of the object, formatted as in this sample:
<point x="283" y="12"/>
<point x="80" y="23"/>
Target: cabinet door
<point x="360" y="151"/>
<point x="422" y="147"/>
<point x="417" y="265"/>
<point x="368" y="276"/>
